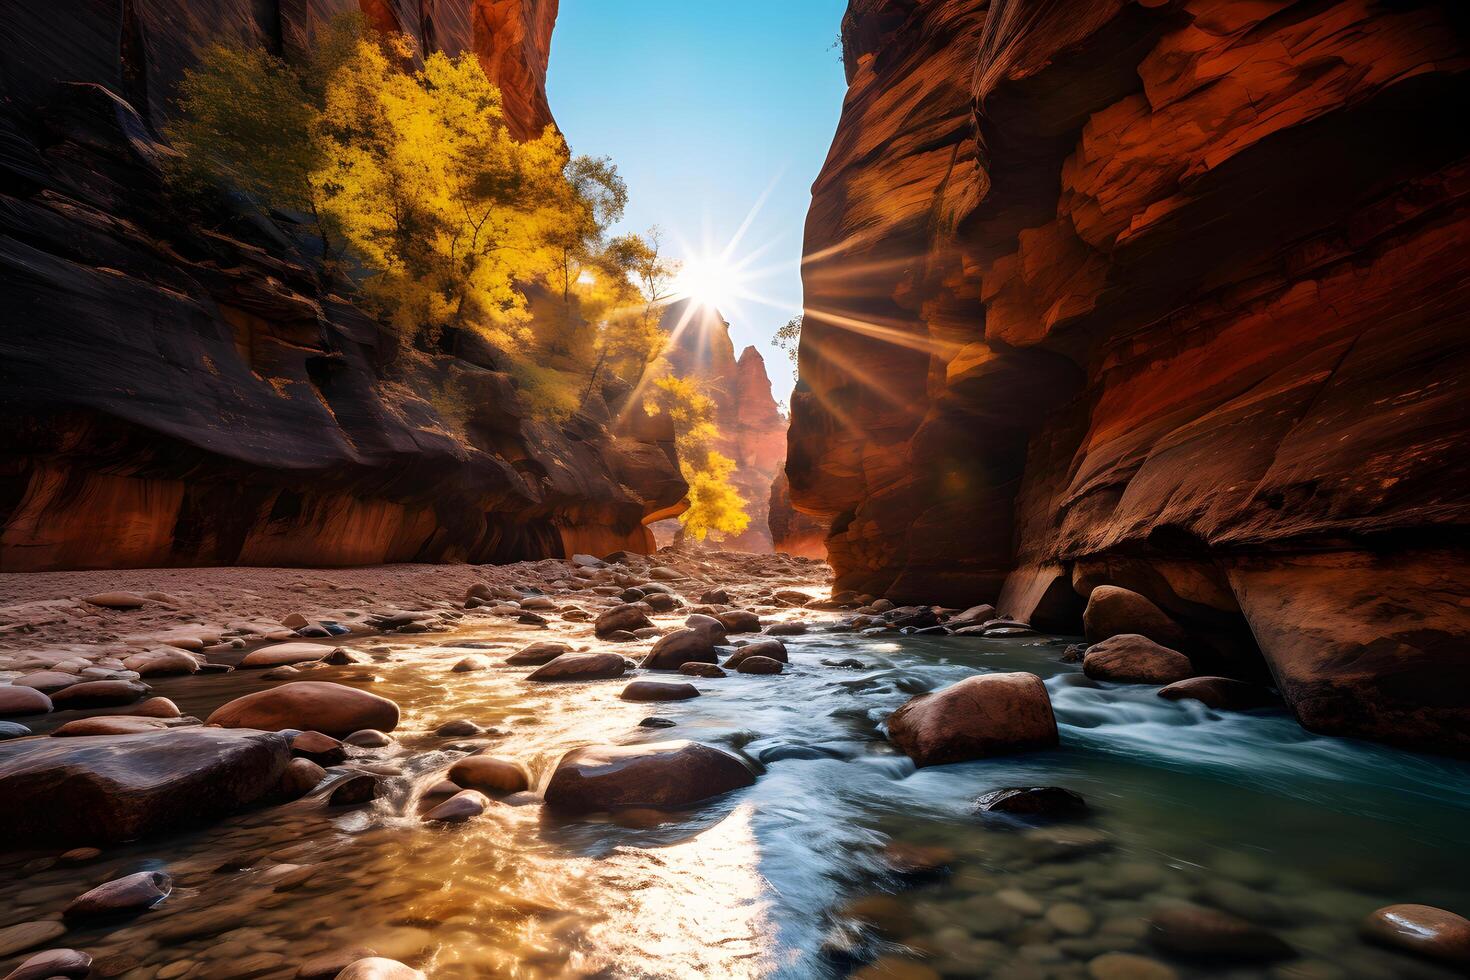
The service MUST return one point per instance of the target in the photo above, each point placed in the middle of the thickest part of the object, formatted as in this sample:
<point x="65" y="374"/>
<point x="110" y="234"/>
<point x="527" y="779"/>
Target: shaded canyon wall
<point x="171" y="395"/>
<point x="1168" y="295"/>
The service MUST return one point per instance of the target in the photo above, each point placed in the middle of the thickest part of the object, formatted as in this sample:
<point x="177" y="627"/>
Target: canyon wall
<point x="171" y="395"/>
<point x="1168" y="295"/>
<point x="752" y="431"/>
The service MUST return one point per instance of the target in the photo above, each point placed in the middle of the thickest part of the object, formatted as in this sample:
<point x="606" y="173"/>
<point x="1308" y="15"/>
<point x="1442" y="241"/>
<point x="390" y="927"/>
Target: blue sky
<point x="705" y="105"/>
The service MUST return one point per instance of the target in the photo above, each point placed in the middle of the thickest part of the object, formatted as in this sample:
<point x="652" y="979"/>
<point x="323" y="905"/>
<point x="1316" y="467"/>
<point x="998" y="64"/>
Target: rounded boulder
<point x="1135" y="659"/>
<point x="982" y="716"/>
<point x="332" y="709"/>
<point x="653" y="774"/>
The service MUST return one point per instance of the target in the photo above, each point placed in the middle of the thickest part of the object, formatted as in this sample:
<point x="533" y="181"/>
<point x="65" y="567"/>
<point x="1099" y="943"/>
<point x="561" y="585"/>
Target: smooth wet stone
<point x="847" y="663"/>
<point x="121" y="787"/>
<point x="1113" y="611"/>
<point x="471" y="664"/>
<point x="285" y="654"/>
<point x="12" y="729"/>
<point x="355" y="790"/>
<point x="1134" y="659"/>
<point x="489" y="774"/>
<point x="1128" y="966"/>
<point x="882" y="914"/>
<point x="281" y="673"/>
<point x="656" y="722"/>
<point x="172" y="663"/>
<point x="1195" y="931"/>
<point x="156" y="708"/>
<point x="98" y="694"/>
<point x="322" y="749"/>
<point x="917" y="860"/>
<point x="459" y="728"/>
<point x="624" y="619"/>
<point x="771" y="649"/>
<point x="1221" y="693"/>
<point x="537" y="654"/>
<point x="114" y="725"/>
<point x="759" y="665"/>
<point x="708" y="625"/>
<point x="658" y="691"/>
<point x="368" y="738"/>
<point x="115" y="600"/>
<point x="301" y="777"/>
<point x="326" y="966"/>
<point x="715" y="597"/>
<point x="1020" y="901"/>
<point x="1070" y="919"/>
<point x="979" y="717"/>
<point x="464" y="805"/>
<point x="128" y="895"/>
<point x="680" y="647"/>
<point x="580" y="667"/>
<point x="1066" y="843"/>
<point x="1032" y="802"/>
<point x="652" y="774"/>
<point x="342" y="657"/>
<point x="1423" y="930"/>
<point x="786" y="629"/>
<point x="27" y="935"/>
<point x="695" y="669"/>
<point x="71" y="963"/>
<point x="739" y="621"/>
<point x="17" y="701"/>
<point x="333" y="709"/>
<point x="46" y="681"/>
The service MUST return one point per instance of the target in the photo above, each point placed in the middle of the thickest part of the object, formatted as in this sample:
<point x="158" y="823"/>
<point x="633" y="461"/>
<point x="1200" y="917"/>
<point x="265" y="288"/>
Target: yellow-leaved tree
<point x="715" y="506"/>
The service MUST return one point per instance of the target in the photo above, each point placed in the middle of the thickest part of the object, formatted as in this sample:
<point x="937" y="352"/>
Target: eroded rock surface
<point x="1170" y="297"/>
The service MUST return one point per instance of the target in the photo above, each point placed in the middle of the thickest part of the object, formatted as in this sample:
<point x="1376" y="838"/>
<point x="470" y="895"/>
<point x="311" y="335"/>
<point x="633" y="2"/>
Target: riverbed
<point x="792" y="877"/>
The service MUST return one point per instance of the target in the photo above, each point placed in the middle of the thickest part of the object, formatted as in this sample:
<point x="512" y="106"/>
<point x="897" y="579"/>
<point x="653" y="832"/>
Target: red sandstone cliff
<point x="752" y="431"/>
<point x="1172" y="295"/>
<point x="175" y="396"/>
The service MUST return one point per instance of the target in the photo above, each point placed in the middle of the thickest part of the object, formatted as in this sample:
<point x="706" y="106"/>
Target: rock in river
<point x="1133" y="658"/>
<point x="489" y="774"/>
<point x="1033" y="802"/>
<point x="580" y="667"/>
<point x="333" y="709"/>
<point x="98" y="694"/>
<point x="22" y="701"/>
<point x="378" y="968"/>
<point x="119" y="787"/>
<point x="70" y="963"/>
<point x="1193" y="930"/>
<point x="27" y="935"/>
<point x="537" y="654"/>
<point x="771" y="648"/>
<point x="459" y="807"/>
<point x="653" y="774"/>
<point x="1422" y="929"/>
<point x="681" y="647"/>
<point x="1223" y="693"/>
<point x="981" y="716"/>
<point x="285" y="654"/>
<point x="1112" y="611"/>
<point x="759" y="665"/>
<point x="739" y="621"/>
<point x="128" y="895"/>
<point x="659" y="691"/>
<point x="626" y="618"/>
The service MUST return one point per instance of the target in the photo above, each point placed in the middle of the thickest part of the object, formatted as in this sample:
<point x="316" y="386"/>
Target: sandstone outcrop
<point x="1166" y="296"/>
<point x="176" y="395"/>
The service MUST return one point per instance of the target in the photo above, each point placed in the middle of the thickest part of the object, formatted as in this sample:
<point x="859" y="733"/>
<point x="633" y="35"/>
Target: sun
<point x="710" y="281"/>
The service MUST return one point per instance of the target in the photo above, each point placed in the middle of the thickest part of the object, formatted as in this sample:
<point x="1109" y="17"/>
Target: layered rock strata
<point x="171" y="395"/>
<point x="1168" y="295"/>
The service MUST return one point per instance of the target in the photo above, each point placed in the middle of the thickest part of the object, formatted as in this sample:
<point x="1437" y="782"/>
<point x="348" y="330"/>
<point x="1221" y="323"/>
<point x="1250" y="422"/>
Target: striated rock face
<point x="752" y="430"/>
<point x="1171" y="296"/>
<point x="176" y="396"/>
<point x="792" y="531"/>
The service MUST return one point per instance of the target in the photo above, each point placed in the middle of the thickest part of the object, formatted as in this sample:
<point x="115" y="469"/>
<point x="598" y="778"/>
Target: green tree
<point x="788" y="337"/>
<point x="715" y="506"/>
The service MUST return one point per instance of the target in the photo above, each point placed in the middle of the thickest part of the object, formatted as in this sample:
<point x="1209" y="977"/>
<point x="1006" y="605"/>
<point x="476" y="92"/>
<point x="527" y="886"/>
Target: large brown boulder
<point x="658" y="691"/>
<point x="580" y="667"/>
<point x="1135" y="659"/>
<point x="1223" y="693"/>
<point x="332" y="709"/>
<point x="1112" y="610"/>
<point x="98" y="694"/>
<point x="654" y="774"/>
<point x="770" y="648"/>
<point x="114" y="788"/>
<point x="281" y="654"/>
<point x="680" y="647"/>
<point x="15" y="700"/>
<point x="981" y="716"/>
<point x="1421" y="929"/>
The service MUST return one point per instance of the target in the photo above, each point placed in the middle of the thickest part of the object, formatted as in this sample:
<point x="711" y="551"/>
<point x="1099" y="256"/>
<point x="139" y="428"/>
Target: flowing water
<point x="1244" y="812"/>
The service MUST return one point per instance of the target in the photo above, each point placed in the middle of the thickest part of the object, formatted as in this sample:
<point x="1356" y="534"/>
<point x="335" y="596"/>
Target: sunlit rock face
<point x="170" y="396"/>
<point x="1166" y="295"/>
<point x="752" y="430"/>
<point x="792" y="531"/>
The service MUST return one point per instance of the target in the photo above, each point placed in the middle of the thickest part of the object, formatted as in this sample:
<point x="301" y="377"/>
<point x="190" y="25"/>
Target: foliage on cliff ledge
<point x="715" y="506"/>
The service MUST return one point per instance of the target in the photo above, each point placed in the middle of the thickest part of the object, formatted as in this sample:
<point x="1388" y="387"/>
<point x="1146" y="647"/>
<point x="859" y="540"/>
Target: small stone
<point x="1032" y="802"/>
<point x="355" y="790"/>
<point x="1421" y="929"/>
<point x="342" y="657"/>
<point x="98" y="694"/>
<point x="490" y="774"/>
<point x="156" y="708"/>
<point x="369" y="738"/>
<point x="283" y="673"/>
<point x="71" y="963"/>
<point x="80" y="855"/>
<point x="917" y="860"/>
<point x="770" y="648"/>
<point x="786" y="629"/>
<point x="324" y="750"/>
<point x="110" y="725"/>
<point x="715" y="597"/>
<point x="624" y="618"/>
<point x="1192" y="930"/>
<point x="739" y="621"/>
<point x="128" y="895"/>
<point x="22" y="701"/>
<point x="46" y="681"/>
<point x="462" y="806"/>
<point x="680" y="647"/>
<point x="1221" y="693"/>
<point x="1070" y="919"/>
<point x="12" y="729"/>
<point x="1020" y="901"/>
<point x="285" y="654"/>
<point x="1064" y="843"/>
<point x="537" y="654"/>
<point x="474" y="662"/>
<point x="656" y="722"/>
<point x="459" y="728"/>
<point x="1134" y="659"/>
